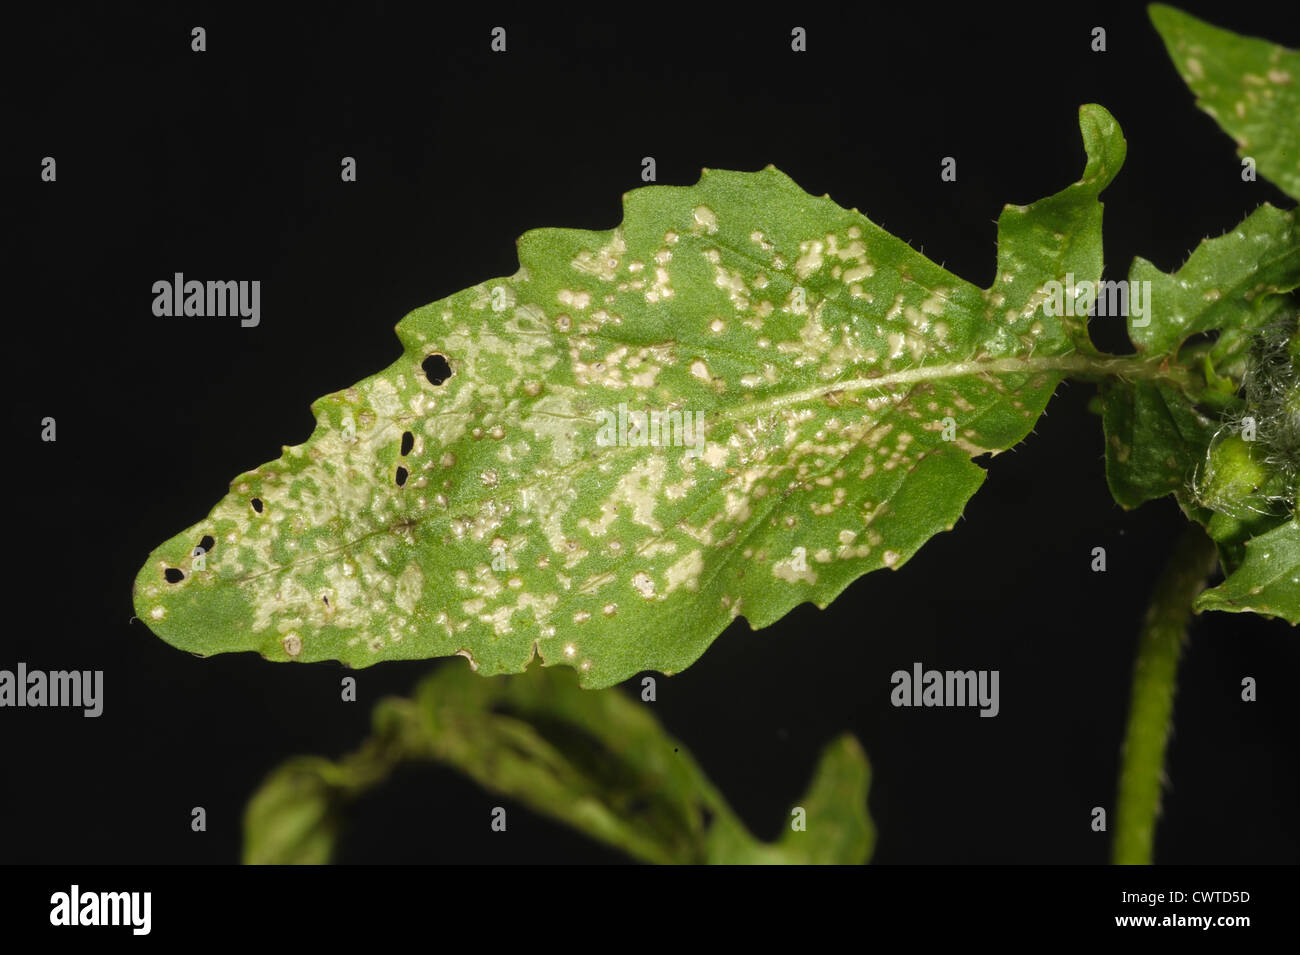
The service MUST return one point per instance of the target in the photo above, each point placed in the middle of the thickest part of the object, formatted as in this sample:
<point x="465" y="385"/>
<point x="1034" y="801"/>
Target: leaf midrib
<point x="1080" y="365"/>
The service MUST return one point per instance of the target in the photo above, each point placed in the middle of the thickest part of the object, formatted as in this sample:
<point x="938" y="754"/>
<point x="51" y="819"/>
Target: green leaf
<point x="293" y="819"/>
<point x="1268" y="580"/>
<point x="838" y="384"/>
<point x="1232" y="532"/>
<point x="1227" y="284"/>
<point x="1155" y="438"/>
<point x="1212" y="316"/>
<point x="1157" y="433"/>
<point x="594" y="760"/>
<point x="1251" y="87"/>
<point x="839" y="831"/>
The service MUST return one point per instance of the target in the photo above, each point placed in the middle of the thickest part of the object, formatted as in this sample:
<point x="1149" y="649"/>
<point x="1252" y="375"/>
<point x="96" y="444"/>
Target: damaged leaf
<point x="740" y="399"/>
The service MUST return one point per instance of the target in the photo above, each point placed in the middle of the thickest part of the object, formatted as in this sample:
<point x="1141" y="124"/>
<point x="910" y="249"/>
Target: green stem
<point x="1154" y="677"/>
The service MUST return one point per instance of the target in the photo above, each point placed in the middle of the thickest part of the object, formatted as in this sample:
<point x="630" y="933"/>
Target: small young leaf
<point x="1268" y="580"/>
<point x="817" y="387"/>
<point x="1251" y="87"/>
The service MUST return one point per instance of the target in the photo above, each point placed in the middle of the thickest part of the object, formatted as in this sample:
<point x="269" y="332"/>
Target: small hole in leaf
<point x="408" y="442"/>
<point x="437" y="369"/>
<point x="173" y="575"/>
<point x="401" y="476"/>
<point x="257" y="504"/>
<point x="207" y="544"/>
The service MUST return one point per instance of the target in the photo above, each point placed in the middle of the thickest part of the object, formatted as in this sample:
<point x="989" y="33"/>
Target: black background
<point x="225" y="164"/>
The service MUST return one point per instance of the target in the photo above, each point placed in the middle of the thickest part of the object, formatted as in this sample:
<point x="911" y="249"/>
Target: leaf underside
<point x="837" y="383"/>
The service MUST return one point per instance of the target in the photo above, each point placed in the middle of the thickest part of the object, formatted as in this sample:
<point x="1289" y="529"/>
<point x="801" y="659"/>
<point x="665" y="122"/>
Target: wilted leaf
<point x="824" y="385"/>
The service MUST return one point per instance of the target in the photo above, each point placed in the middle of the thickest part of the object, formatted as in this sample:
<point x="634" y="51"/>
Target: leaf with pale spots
<point x="1268" y="580"/>
<point x="597" y="761"/>
<point x="1155" y="438"/>
<point x="818" y="389"/>
<point x="1228" y="284"/>
<point x="1250" y="86"/>
<point x="1158" y="432"/>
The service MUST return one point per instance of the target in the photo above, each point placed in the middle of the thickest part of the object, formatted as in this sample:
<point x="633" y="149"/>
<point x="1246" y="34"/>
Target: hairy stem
<point x="1155" y="674"/>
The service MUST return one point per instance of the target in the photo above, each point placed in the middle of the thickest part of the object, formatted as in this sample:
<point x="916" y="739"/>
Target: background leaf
<point x="1251" y="87"/>
<point x="596" y="761"/>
